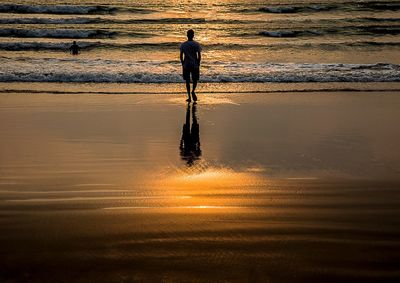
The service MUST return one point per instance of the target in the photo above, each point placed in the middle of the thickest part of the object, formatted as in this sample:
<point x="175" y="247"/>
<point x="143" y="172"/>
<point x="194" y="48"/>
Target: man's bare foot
<point x="194" y="96"/>
<point x="188" y="100"/>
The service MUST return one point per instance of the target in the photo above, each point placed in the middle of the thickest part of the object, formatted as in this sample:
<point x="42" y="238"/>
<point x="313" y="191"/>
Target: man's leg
<point x="195" y="78"/>
<point x="193" y="91"/>
<point x="186" y="77"/>
<point x="188" y="89"/>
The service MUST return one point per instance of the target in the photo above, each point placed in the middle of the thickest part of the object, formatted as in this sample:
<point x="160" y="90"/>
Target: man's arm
<point x="199" y="57"/>
<point x="181" y="56"/>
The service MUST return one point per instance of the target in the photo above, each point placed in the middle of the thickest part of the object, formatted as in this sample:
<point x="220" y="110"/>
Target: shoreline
<point x="205" y="88"/>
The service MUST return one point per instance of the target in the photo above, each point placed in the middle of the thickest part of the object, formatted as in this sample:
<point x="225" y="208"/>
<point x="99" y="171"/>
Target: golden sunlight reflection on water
<point x="207" y="100"/>
<point x="204" y="186"/>
<point x="212" y="177"/>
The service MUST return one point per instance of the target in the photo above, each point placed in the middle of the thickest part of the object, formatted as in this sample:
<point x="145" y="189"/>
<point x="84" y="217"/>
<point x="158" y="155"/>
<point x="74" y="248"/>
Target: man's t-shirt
<point x="190" y="49"/>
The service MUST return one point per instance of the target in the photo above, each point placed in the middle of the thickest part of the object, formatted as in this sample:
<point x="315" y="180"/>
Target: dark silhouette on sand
<point x="190" y="141"/>
<point x="190" y="58"/>
<point x="74" y="49"/>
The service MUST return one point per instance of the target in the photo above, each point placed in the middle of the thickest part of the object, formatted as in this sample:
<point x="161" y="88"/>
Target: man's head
<point x="190" y="34"/>
<point x="74" y="42"/>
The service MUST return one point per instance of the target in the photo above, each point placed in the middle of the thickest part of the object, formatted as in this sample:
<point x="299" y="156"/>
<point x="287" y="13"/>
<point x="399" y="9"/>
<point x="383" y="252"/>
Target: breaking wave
<point x="27" y="69"/>
<point x="349" y="6"/>
<point x="20" y="46"/>
<point x="55" y="9"/>
<point x="60" y="46"/>
<point x="104" y="33"/>
<point x="65" y="9"/>
<point x="106" y="20"/>
<point x="294" y="9"/>
<point x="99" y="20"/>
<point x="50" y="20"/>
<point x="345" y="30"/>
<point x="56" y="33"/>
<point x="287" y="33"/>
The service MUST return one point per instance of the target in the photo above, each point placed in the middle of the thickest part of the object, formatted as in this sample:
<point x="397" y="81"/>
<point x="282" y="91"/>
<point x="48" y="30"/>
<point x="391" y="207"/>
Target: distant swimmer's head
<point x="190" y="34"/>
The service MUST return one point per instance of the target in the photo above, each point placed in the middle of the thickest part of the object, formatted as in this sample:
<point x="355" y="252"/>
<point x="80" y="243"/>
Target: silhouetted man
<point x="74" y="49"/>
<point x="190" y="141"/>
<point x="190" y="59"/>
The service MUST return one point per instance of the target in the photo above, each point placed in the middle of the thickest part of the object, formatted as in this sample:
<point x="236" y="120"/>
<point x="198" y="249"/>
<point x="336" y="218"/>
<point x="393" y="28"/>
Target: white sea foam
<point x="54" y="33"/>
<point x="99" y="70"/>
<point x="54" y="9"/>
<point x="279" y="33"/>
<point x="37" y="20"/>
<point x="15" y="46"/>
<point x="343" y="45"/>
<point x="279" y="9"/>
<point x="345" y="6"/>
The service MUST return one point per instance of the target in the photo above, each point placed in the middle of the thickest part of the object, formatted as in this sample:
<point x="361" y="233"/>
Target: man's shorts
<point x="194" y="71"/>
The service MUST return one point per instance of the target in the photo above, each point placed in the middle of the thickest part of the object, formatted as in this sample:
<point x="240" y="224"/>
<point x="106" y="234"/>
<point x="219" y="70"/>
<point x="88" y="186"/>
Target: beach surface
<point x="282" y="186"/>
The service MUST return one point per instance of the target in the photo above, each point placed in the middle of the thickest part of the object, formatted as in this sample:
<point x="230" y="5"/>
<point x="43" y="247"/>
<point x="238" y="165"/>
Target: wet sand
<point x="268" y="187"/>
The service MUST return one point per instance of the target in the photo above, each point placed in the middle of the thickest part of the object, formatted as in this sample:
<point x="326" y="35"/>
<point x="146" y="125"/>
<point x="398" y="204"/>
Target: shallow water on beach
<point x="281" y="187"/>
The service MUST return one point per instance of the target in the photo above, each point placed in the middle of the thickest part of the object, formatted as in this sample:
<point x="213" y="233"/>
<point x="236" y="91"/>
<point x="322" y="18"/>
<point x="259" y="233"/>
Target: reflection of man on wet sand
<point x="190" y="141"/>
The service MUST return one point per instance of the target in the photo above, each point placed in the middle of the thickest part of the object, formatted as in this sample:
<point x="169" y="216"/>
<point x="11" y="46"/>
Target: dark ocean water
<point x="243" y="41"/>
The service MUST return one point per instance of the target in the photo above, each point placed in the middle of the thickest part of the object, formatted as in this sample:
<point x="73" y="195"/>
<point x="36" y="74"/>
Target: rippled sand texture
<point x="285" y="188"/>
